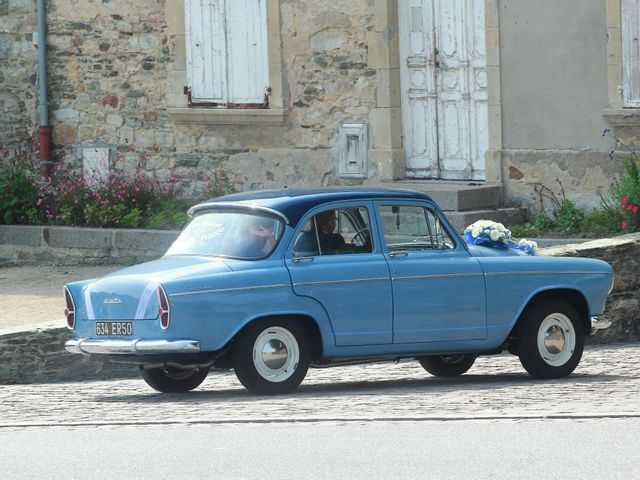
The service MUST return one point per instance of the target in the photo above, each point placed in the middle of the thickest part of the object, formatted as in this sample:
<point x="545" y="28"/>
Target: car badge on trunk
<point x="112" y="301"/>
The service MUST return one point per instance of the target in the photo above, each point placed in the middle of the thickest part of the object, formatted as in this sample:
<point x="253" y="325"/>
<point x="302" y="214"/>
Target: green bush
<point x="119" y="199"/>
<point x="18" y="191"/>
<point x="568" y="217"/>
<point x="599" y="223"/>
<point x="622" y="201"/>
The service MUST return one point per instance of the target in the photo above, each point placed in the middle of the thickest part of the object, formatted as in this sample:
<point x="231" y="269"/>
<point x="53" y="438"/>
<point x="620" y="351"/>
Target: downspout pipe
<point x="44" y="129"/>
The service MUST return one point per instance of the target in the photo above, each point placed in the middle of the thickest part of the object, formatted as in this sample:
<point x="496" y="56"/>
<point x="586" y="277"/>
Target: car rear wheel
<point x="173" y="380"/>
<point x="271" y="357"/>
<point x="447" y="365"/>
<point x="550" y="339"/>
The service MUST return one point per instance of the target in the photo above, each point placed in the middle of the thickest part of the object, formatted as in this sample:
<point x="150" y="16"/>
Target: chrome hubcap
<point x="276" y="354"/>
<point x="556" y="339"/>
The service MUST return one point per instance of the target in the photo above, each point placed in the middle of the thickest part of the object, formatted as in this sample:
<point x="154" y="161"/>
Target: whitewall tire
<point x="550" y="339"/>
<point x="271" y="356"/>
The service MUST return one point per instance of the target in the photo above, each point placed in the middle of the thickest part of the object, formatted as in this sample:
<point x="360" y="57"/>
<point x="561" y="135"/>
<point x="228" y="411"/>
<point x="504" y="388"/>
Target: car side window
<point x="413" y="228"/>
<point x="335" y="231"/>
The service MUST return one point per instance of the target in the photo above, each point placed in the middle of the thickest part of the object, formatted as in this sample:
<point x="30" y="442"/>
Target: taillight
<point x="164" y="311"/>
<point x="70" y="310"/>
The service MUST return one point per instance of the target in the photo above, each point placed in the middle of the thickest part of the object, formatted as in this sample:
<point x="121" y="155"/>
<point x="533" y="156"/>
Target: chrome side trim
<point x="495" y="274"/>
<point x="599" y="322"/>
<point x="235" y="206"/>
<point x="444" y="275"/>
<point x="124" y="347"/>
<point x="224" y="290"/>
<point x="335" y="282"/>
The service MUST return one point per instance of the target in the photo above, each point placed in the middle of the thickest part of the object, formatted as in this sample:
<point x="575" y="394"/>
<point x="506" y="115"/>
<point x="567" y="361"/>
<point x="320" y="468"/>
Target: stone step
<point x="507" y="216"/>
<point x="456" y="196"/>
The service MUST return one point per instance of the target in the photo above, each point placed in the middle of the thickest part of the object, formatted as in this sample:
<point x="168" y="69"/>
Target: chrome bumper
<point x="128" y="347"/>
<point x="598" y="322"/>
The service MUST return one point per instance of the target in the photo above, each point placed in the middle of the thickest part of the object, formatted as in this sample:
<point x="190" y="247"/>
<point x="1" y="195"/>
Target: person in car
<point x="322" y="230"/>
<point x="257" y="239"/>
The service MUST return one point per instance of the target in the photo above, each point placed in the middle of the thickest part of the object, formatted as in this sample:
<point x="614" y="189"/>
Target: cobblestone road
<point x="606" y="383"/>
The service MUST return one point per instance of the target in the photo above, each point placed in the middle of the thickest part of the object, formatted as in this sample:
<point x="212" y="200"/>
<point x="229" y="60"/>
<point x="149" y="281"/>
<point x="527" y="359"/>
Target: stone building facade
<point x="18" y="71"/>
<point x="118" y="81"/>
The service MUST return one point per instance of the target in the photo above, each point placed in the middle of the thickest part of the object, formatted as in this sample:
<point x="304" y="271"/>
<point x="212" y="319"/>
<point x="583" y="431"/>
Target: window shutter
<point x="206" y="50"/>
<point x="227" y="56"/>
<point x="631" y="52"/>
<point x="247" y="55"/>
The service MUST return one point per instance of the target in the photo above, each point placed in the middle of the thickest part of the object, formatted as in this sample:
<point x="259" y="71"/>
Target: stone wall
<point x="71" y="245"/>
<point x="37" y="354"/>
<point x="584" y="175"/>
<point x="117" y="71"/>
<point x="110" y="64"/>
<point x="623" y="304"/>
<point x="18" y="67"/>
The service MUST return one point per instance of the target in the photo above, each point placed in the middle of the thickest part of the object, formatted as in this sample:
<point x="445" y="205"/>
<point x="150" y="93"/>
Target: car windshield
<point x="245" y="235"/>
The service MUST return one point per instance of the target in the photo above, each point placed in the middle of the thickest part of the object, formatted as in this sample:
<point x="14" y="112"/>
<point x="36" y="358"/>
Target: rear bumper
<point x="128" y="347"/>
<point x="599" y="322"/>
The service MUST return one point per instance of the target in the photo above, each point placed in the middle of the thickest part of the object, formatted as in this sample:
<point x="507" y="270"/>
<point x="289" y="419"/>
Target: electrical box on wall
<point x="354" y="150"/>
<point x="96" y="164"/>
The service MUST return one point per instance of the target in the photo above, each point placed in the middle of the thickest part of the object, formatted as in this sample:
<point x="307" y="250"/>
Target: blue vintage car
<point x="270" y="283"/>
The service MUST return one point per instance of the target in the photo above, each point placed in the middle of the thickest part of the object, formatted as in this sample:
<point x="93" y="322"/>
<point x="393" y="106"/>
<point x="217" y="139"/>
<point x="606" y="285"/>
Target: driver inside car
<point x="322" y="232"/>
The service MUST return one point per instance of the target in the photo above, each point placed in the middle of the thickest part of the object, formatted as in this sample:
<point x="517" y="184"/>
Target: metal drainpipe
<point x="45" y="128"/>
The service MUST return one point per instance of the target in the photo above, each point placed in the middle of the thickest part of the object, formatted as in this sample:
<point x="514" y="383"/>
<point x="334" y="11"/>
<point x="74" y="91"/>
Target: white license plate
<point x="114" y="329"/>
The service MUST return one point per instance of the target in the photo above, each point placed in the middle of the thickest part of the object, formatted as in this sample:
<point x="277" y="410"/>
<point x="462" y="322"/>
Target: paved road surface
<point x="372" y="421"/>
<point x="496" y="449"/>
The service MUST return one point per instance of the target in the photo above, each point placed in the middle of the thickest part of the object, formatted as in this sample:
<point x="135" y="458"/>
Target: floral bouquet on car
<point x="492" y="234"/>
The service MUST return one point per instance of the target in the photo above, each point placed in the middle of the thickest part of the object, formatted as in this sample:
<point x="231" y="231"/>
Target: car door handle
<point x="302" y="259"/>
<point x="398" y="254"/>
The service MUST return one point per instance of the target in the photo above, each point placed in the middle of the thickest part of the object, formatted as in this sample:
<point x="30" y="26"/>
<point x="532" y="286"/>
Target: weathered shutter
<point x="227" y="57"/>
<point x="247" y="56"/>
<point x="631" y="52"/>
<point x="206" y="50"/>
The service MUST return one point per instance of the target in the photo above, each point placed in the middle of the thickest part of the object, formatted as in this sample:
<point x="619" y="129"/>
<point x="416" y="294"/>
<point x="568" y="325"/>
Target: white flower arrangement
<point x="528" y="246"/>
<point x="496" y="235"/>
<point x="487" y="231"/>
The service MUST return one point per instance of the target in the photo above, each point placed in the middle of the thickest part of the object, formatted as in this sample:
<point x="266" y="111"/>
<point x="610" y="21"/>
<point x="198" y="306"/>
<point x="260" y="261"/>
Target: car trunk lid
<point x="132" y="293"/>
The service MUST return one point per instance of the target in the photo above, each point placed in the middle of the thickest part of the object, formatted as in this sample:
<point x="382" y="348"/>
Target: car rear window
<point x="243" y="235"/>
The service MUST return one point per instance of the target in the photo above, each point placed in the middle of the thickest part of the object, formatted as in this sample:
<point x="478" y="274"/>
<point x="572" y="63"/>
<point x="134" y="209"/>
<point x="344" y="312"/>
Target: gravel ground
<point x="605" y="384"/>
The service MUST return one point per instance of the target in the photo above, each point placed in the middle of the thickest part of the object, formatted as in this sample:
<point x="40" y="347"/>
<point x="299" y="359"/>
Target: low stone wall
<point x="37" y="355"/>
<point x="623" y="304"/>
<point x="73" y="245"/>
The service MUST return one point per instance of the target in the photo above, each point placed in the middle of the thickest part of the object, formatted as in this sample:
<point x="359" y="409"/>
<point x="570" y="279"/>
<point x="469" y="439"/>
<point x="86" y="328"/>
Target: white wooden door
<point x="444" y="88"/>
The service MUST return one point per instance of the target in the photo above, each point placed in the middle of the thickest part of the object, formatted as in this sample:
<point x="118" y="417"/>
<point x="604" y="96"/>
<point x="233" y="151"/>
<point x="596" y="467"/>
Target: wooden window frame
<point x="630" y="39"/>
<point x="178" y="106"/>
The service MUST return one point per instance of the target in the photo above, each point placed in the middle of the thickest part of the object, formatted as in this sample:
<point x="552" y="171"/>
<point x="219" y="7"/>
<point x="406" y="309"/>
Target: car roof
<point x="294" y="203"/>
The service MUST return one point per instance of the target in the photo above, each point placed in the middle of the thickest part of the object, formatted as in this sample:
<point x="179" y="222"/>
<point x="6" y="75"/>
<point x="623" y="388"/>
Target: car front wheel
<point x="271" y="357"/>
<point x="173" y="380"/>
<point x="447" y="365"/>
<point x="550" y="339"/>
